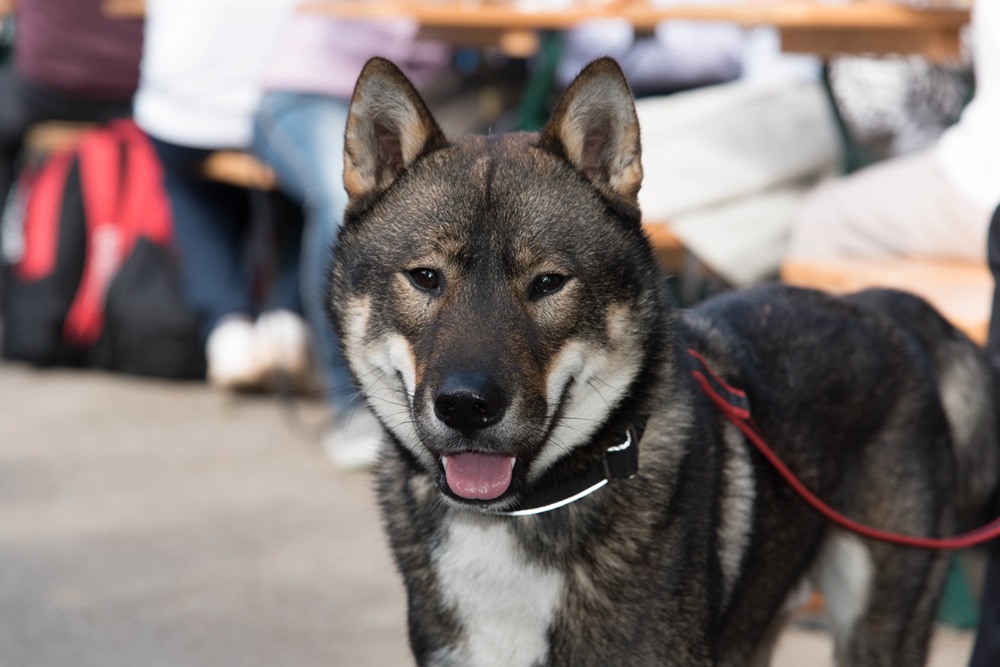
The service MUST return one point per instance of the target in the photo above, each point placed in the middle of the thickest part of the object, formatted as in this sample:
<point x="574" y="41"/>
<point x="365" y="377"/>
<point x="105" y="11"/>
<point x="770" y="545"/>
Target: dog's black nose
<point x="469" y="402"/>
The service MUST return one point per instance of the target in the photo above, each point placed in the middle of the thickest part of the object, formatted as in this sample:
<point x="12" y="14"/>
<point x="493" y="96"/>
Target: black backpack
<point x="89" y="273"/>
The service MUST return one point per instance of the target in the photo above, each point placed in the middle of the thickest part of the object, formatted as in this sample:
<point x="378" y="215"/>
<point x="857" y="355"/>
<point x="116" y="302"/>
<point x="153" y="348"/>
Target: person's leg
<point x="287" y="226"/>
<point x="900" y="207"/>
<point x="729" y="162"/>
<point x="986" y="652"/>
<point x="724" y="143"/>
<point x="302" y="138"/>
<point x="282" y="336"/>
<point x="210" y="222"/>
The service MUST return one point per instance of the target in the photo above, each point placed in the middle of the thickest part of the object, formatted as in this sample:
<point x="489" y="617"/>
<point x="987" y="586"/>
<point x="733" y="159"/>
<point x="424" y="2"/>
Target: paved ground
<point x="156" y="524"/>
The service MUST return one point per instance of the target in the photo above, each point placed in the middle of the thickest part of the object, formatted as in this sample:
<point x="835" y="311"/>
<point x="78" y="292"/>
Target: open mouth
<point x="478" y="476"/>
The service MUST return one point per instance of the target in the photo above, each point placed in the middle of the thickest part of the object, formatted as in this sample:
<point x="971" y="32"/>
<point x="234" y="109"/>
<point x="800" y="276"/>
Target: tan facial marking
<point x="601" y="374"/>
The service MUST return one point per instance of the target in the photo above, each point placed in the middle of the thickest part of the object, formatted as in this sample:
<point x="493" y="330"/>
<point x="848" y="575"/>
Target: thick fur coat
<point x="504" y="317"/>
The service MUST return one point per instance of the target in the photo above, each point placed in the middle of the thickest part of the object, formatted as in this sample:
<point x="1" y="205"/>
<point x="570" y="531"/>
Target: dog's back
<point x="877" y="337"/>
<point x="886" y="411"/>
<point x="966" y="384"/>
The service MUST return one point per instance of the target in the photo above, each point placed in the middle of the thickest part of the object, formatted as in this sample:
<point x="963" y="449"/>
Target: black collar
<point x="620" y="461"/>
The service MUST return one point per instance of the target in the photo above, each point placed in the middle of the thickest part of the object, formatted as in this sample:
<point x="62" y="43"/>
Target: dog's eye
<point x="546" y="284"/>
<point x="425" y="279"/>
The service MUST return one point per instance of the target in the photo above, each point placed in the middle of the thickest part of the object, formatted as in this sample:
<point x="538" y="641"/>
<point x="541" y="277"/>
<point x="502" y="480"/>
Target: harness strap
<point x="120" y="178"/>
<point x="42" y="215"/>
<point x="733" y="403"/>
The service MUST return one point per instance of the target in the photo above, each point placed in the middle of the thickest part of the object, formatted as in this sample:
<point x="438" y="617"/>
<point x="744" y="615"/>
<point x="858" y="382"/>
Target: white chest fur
<point x="504" y="602"/>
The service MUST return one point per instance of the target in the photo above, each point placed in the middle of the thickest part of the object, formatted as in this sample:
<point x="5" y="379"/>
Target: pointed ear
<point x="388" y="127"/>
<point x="595" y="128"/>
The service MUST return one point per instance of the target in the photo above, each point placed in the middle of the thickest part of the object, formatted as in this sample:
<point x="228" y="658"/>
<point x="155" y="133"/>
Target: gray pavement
<point x="149" y="523"/>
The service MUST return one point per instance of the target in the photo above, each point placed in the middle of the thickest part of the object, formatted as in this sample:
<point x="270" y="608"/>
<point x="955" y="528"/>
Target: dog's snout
<point x="469" y="403"/>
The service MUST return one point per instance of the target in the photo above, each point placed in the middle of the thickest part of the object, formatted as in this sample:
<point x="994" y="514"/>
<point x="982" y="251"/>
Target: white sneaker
<point x="283" y="346"/>
<point x="354" y="440"/>
<point x="231" y="354"/>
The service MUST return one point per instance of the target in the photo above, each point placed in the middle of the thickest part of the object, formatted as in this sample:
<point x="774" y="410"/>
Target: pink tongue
<point x="478" y="476"/>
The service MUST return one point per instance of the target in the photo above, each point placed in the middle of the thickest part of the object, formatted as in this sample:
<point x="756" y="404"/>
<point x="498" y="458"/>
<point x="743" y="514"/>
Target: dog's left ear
<point x="595" y="128"/>
<point x="388" y="128"/>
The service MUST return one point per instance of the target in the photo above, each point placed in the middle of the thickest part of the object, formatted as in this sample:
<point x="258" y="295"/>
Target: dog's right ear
<point x="595" y="128"/>
<point x="388" y="127"/>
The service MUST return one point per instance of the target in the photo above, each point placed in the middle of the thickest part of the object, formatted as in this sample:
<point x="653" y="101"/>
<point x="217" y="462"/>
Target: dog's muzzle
<point x="468" y="403"/>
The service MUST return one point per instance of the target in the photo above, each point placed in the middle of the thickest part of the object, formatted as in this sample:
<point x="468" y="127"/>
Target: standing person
<point x="71" y="63"/>
<point x="299" y="131"/>
<point x="198" y="91"/>
<point x="935" y="203"/>
<point x="986" y="652"/>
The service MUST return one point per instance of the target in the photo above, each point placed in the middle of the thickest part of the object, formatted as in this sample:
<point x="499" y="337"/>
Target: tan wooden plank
<point x="240" y="169"/>
<point x="643" y="15"/>
<point x="49" y="136"/>
<point x="961" y="291"/>
<point x="936" y="45"/>
<point x="667" y="248"/>
<point x="124" y="9"/>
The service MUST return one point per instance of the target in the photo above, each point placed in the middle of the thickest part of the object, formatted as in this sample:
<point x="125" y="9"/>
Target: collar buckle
<point x="622" y="461"/>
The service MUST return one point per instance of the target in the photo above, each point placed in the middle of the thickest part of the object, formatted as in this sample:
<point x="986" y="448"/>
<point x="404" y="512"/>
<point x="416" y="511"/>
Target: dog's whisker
<point x="590" y="383"/>
<point x="581" y="419"/>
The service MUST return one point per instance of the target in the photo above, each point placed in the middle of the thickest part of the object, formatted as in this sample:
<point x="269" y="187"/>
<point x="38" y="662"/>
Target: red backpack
<point x="90" y="278"/>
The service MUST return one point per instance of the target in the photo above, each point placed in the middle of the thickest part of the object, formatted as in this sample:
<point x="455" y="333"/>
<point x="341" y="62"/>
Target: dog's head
<point x="494" y="295"/>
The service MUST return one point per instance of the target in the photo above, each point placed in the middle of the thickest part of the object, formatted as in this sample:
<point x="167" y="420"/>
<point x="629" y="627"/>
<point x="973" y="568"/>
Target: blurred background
<point x="184" y="463"/>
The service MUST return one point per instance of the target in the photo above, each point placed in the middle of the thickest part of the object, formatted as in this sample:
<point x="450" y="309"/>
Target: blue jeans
<point x="212" y="227"/>
<point x="301" y="135"/>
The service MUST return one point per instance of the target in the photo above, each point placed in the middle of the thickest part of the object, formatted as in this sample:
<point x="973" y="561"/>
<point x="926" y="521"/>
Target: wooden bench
<point x="961" y="291"/>
<point x="47" y="137"/>
<point x="819" y="28"/>
<point x="239" y="169"/>
<point x="668" y="249"/>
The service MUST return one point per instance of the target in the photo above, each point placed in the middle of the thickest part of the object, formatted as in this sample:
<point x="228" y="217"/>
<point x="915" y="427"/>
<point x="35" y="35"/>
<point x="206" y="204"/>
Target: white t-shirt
<point x="969" y="151"/>
<point x="201" y="66"/>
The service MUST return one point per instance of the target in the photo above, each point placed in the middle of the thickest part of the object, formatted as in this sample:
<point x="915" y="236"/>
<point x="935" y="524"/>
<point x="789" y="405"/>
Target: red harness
<point x="734" y="405"/>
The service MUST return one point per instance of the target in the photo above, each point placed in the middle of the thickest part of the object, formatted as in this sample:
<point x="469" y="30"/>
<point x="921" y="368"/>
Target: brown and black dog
<point x="556" y="487"/>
